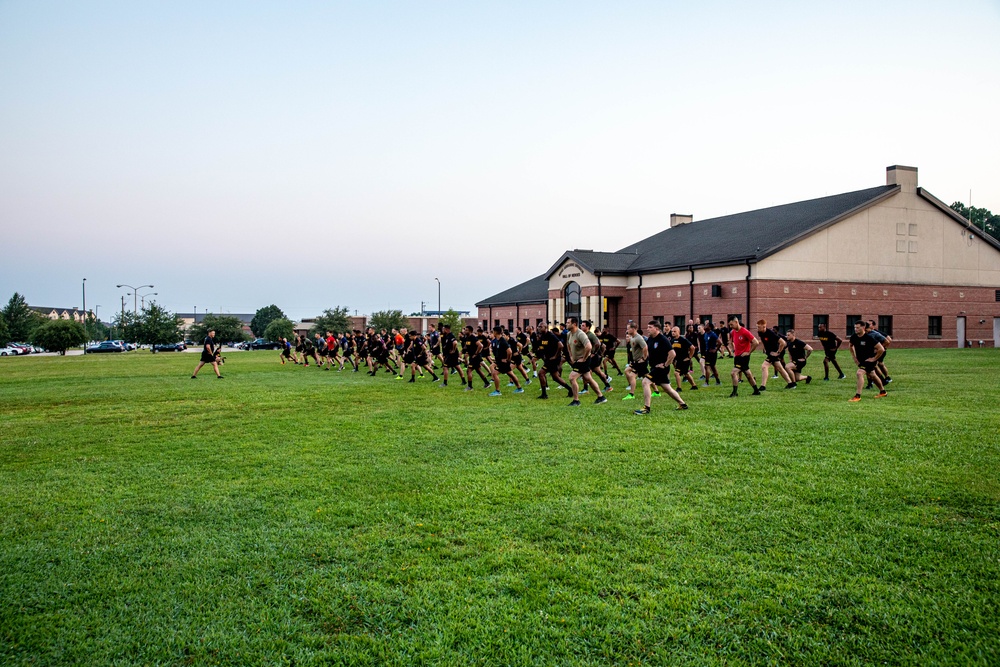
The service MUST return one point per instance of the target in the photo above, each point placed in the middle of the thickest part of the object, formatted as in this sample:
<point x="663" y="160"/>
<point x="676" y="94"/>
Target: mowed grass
<point x="286" y="515"/>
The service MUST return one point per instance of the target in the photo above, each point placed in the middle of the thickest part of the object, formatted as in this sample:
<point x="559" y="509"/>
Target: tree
<point x="227" y="328"/>
<point x="20" y="319"/>
<point x="332" y="319"/>
<point x="59" y="335"/>
<point x="97" y="330"/>
<point x="982" y="218"/>
<point x="263" y="317"/>
<point x="157" y="326"/>
<point x="388" y="319"/>
<point x="126" y="326"/>
<point x="4" y="335"/>
<point x="279" y="328"/>
<point x="452" y="319"/>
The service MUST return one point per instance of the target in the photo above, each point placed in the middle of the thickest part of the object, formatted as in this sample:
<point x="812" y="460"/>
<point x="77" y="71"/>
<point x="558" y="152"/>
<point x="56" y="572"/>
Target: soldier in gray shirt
<point x="579" y="348"/>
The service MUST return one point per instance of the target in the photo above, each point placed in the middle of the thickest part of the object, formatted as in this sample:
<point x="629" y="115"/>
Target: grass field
<point x="285" y="515"/>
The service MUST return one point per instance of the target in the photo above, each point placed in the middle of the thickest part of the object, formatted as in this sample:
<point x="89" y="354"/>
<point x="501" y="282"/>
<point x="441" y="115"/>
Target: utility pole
<point x="86" y="327"/>
<point x="439" y="296"/>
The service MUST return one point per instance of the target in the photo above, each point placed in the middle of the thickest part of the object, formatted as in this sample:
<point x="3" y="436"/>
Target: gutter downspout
<point x="748" y="292"/>
<point x="638" y="317"/>
<point x="600" y="302"/>
<point x="691" y="292"/>
<point x="517" y="314"/>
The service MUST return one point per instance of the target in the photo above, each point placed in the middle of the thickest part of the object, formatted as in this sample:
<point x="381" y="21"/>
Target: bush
<point x="59" y="335"/>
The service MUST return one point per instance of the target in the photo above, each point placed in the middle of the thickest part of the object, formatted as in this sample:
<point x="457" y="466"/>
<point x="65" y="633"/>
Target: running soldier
<point x="637" y="367"/>
<point x="660" y="355"/>
<point x="419" y="358"/>
<point x="611" y="343"/>
<point x="550" y="353"/>
<point x="449" y="350"/>
<point x="798" y="352"/>
<point x="683" y="350"/>
<point x="502" y="356"/>
<point x="743" y="343"/>
<point x="831" y="342"/>
<point x="866" y="351"/>
<point x="709" y="342"/>
<point x="774" y="353"/>
<point x="580" y="350"/>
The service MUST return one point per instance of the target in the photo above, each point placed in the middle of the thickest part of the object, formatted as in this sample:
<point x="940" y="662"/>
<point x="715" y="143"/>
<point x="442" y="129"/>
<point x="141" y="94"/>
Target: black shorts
<point x="640" y="368"/>
<point x="869" y="366"/>
<point x="683" y="366"/>
<point x="799" y="364"/>
<point x="659" y="376"/>
<point x="436" y="350"/>
<point x="409" y="358"/>
<point x="516" y="360"/>
<point x="503" y="367"/>
<point x="553" y="366"/>
<point x="595" y="361"/>
<point x="775" y="359"/>
<point x="286" y="353"/>
<point x="742" y="362"/>
<point x="581" y="367"/>
<point x="475" y="361"/>
<point x="451" y="360"/>
<point x="207" y="358"/>
<point x="831" y="354"/>
<point x="422" y="359"/>
<point x="711" y="358"/>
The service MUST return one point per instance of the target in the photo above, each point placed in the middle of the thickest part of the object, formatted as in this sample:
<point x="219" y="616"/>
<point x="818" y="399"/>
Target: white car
<point x="9" y="351"/>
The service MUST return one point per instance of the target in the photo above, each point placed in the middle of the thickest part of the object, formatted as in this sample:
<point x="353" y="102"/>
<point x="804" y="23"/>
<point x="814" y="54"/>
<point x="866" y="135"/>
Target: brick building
<point x="893" y="253"/>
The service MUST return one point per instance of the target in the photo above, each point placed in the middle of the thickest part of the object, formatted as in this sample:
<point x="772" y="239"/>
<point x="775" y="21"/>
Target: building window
<point x="538" y="321"/>
<point x="496" y="323"/>
<point x="486" y="325"/>
<point x="934" y="326"/>
<point x="885" y="324"/>
<point x="525" y="324"/>
<point x="785" y="322"/>
<point x="680" y="321"/>
<point x="818" y="320"/>
<point x="998" y="295"/>
<point x="510" y="325"/>
<point x="659" y="320"/>
<point x="851" y="319"/>
<point x="704" y="319"/>
<point x="572" y="295"/>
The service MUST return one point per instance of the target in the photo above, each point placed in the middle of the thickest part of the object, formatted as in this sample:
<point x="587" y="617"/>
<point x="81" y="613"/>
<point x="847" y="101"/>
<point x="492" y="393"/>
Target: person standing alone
<point x="208" y="356"/>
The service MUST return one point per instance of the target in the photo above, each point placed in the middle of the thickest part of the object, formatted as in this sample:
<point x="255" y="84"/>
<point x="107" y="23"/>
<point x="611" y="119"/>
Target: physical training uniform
<point x="742" y="342"/>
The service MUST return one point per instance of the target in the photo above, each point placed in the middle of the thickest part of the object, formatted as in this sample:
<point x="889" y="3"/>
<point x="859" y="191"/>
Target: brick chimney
<point x="905" y="177"/>
<point x="677" y="219"/>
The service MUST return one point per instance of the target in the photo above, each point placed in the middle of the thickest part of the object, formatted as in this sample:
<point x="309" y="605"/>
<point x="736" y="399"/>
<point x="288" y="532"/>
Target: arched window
<point x="571" y="293"/>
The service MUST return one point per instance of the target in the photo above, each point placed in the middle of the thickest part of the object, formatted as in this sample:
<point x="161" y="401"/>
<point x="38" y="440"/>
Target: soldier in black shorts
<point x="417" y="350"/>
<point x="502" y="361"/>
<point x="774" y="353"/>
<point x="798" y="352"/>
<point x="450" y="354"/>
<point x="866" y="351"/>
<point x="886" y="341"/>
<point x="209" y="355"/>
<point x="683" y="350"/>
<point x="660" y="356"/>
<point x="830" y="342"/>
<point x="597" y="355"/>
<point x="549" y="352"/>
<point x="519" y="347"/>
<point x="474" y="358"/>
<point x="610" y="342"/>
<point x="637" y="367"/>
<point x="434" y="343"/>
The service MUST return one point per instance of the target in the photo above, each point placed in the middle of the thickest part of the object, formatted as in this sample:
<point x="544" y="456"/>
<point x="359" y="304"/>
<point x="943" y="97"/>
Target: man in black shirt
<point x="866" y="351"/>
<point x="830" y="342"/>
<point x="886" y="342"/>
<point x="683" y="350"/>
<point x="502" y="361"/>
<point x="449" y="352"/>
<point x="417" y="350"/>
<point x="209" y="355"/>
<point x="660" y="355"/>
<point x="798" y="352"/>
<point x="774" y="353"/>
<point x="474" y="357"/>
<point x="610" y="342"/>
<point x="548" y="349"/>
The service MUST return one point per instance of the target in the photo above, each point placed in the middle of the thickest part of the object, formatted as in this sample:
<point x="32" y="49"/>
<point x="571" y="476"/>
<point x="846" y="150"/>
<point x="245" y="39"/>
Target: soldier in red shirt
<point x="743" y="343"/>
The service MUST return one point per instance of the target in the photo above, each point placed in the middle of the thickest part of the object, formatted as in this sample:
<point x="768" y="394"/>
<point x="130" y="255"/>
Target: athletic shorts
<point x="640" y="368"/>
<point x="581" y="367"/>
<point x="517" y="360"/>
<point x="553" y="366"/>
<point x="451" y="360"/>
<point x="659" y="376"/>
<point x="436" y="350"/>
<point x="207" y="358"/>
<point x="831" y="354"/>
<point x="711" y="358"/>
<point x="475" y="362"/>
<point x="683" y="366"/>
<point x="286" y="353"/>
<point x="799" y="364"/>
<point x="742" y="362"/>
<point x="869" y="366"/>
<point x="595" y="361"/>
<point x="503" y="367"/>
<point x="775" y="359"/>
<point x="408" y="358"/>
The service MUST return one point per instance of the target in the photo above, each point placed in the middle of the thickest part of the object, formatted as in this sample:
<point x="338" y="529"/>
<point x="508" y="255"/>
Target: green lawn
<point x="286" y="515"/>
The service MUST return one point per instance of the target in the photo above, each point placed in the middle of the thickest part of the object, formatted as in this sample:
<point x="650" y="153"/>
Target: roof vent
<point x="680" y="219"/>
<point x="583" y="250"/>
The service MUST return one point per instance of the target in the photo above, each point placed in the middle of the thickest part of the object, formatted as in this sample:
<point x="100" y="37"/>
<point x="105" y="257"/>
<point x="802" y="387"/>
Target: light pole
<point x="97" y="317"/>
<point x="439" y="296"/>
<point x="142" y="298"/>
<point x="86" y="328"/>
<point x="135" y="299"/>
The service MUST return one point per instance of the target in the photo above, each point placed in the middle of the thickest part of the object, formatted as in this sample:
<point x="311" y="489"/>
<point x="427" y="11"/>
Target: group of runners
<point x="659" y="360"/>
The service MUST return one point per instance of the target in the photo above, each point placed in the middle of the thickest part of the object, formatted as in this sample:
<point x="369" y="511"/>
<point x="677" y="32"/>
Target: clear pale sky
<point x="319" y="154"/>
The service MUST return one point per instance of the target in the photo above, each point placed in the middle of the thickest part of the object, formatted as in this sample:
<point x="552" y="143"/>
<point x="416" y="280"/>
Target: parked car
<point x="169" y="347"/>
<point x="22" y="348"/>
<point x="106" y="346"/>
<point x="9" y="351"/>
<point x="261" y="344"/>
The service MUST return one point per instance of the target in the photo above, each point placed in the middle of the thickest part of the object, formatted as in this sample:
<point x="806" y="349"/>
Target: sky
<point x="322" y="154"/>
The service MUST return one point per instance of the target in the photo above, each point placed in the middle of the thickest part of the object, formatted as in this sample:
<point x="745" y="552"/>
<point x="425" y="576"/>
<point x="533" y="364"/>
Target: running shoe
<point x="682" y="406"/>
<point x="574" y="404"/>
<point x="855" y="399"/>
<point x="644" y="411"/>
<point x="601" y="399"/>
<point x="495" y="393"/>
<point x="519" y="390"/>
<point x="629" y="397"/>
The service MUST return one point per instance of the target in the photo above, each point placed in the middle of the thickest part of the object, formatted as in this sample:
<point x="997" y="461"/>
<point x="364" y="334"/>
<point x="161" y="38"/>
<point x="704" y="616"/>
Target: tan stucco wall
<point x="863" y="248"/>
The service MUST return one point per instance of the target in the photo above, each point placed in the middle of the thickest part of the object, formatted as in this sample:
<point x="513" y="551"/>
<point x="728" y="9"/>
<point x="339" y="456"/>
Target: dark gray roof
<point x="535" y="290"/>
<point x="753" y="235"/>
<point x="597" y="262"/>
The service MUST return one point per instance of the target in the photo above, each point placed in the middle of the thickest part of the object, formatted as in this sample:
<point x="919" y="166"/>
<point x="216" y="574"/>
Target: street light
<point x="142" y="298"/>
<point x="439" y="296"/>
<point x="86" y="328"/>
<point x="135" y="299"/>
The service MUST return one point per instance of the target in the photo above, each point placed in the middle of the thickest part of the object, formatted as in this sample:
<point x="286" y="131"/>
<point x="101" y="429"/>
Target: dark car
<point x="169" y="347"/>
<point x="106" y="346"/>
<point x="261" y="344"/>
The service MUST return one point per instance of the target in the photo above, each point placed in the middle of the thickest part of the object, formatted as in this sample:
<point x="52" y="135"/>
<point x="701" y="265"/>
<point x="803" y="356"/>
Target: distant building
<point x="74" y="313"/>
<point x="894" y="253"/>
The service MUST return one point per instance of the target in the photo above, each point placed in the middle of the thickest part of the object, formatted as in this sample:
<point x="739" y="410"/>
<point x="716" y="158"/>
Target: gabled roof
<point x="597" y="262"/>
<point x="535" y="290"/>
<point x="733" y="239"/>
<point x="958" y="217"/>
